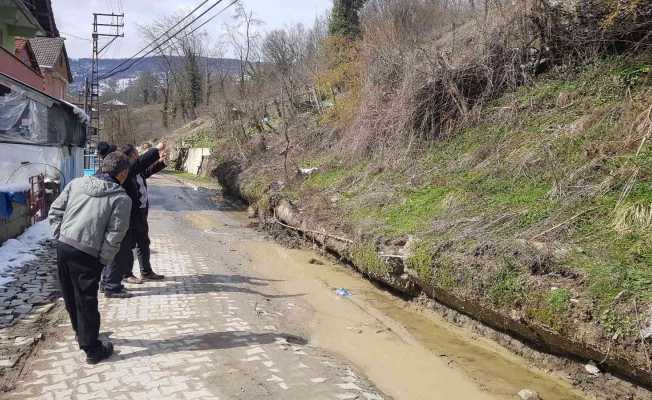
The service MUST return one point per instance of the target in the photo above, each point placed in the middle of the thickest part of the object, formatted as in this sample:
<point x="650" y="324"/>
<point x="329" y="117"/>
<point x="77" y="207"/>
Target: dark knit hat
<point x="103" y="149"/>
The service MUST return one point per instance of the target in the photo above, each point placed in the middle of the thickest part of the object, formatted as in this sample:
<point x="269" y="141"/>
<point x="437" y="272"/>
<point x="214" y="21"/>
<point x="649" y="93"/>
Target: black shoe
<point x="122" y="294"/>
<point x="152" y="276"/>
<point x="100" y="353"/>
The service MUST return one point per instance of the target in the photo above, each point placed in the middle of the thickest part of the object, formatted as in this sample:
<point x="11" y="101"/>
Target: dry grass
<point x="633" y="218"/>
<point x="430" y="69"/>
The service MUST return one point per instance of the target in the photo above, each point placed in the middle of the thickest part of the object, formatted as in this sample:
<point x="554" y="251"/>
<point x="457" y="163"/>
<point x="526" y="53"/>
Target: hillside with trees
<point x="493" y="156"/>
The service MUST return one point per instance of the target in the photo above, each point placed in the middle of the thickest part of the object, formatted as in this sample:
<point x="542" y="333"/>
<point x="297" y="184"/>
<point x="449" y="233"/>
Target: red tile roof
<point x="48" y="51"/>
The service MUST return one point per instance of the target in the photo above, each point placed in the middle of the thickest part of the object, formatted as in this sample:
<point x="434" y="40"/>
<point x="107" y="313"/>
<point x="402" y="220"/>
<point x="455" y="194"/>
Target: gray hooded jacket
<point x="91" y="215"/>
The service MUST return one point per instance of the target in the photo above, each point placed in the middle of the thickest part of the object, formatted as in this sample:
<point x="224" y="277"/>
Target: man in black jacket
<point x="123" y="262"/>
<point x="142" y="242"/>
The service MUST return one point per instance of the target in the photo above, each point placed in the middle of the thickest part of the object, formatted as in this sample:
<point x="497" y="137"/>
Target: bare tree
<point x="285" y="50"/>
<point x="181" y="55"/>
<point x="244" y="39"/>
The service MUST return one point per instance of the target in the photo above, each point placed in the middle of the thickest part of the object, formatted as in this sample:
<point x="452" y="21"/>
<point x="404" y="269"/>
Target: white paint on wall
<point x="195" y="157"/>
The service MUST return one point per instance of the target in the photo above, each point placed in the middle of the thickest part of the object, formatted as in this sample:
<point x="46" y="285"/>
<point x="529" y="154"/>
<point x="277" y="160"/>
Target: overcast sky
<point x="74" y="19"/>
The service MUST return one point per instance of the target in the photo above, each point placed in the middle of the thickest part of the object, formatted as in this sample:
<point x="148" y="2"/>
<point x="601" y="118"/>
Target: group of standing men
<point x="99" y="222"/>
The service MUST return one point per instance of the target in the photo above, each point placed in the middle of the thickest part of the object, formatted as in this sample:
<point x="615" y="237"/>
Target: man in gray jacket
<point x="89" y="220"/>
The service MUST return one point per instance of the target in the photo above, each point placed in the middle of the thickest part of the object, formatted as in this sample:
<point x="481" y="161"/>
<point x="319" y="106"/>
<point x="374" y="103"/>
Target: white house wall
<point x="67" y="159"/>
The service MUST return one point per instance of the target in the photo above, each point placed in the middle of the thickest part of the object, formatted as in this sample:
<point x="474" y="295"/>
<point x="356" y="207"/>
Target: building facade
<point x="40" y="133"/>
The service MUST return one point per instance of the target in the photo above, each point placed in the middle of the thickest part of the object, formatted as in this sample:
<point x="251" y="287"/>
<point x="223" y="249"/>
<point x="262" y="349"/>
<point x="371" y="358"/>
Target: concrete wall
<point x="16" y="224"/>
<point x="194" y="161"/>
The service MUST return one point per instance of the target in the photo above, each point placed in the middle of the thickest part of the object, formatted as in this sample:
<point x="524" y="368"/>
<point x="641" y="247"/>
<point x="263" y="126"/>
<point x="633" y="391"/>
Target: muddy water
<point x="409" y="354"/>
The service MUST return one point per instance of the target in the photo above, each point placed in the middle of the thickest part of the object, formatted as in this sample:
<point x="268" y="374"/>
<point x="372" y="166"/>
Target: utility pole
<point x="104" y="26"/>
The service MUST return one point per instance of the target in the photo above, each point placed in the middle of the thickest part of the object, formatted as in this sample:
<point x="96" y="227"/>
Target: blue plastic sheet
<point x="6" y="200"/>
<point x="19" y="197"/>
<point x="5" y="205"/>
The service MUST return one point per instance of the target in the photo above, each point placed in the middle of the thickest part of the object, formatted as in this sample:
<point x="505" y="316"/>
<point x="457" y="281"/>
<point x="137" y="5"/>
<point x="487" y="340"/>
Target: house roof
<point x="25" y="17"/>
<point x="45" y="99"/>
<point x="42" y="10"/>
<point x="48" y="51"/>
<point x="25" y="53"/>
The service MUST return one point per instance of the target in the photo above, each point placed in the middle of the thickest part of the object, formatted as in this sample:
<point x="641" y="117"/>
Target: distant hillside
<point x="82" y="66"/>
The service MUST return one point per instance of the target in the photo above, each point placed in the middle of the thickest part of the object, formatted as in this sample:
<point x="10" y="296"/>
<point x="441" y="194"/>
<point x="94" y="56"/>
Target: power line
<point x="202" y="24"/>
<point x="111" y="73"/>
<point x="165" y="33"/>
<point x="159" y="46"/>
<point x="75" y="36"/>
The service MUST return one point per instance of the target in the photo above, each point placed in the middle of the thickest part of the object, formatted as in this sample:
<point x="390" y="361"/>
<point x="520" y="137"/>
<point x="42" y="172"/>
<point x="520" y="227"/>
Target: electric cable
<point x="154" y="41"/>
<point x="110" y="74"/>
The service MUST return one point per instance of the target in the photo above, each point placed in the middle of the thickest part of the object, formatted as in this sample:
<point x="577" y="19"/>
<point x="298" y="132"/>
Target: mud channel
<point x="408" y="353"/>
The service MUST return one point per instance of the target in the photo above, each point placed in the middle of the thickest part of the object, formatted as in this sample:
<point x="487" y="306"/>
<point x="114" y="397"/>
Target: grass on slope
<point x="535" y="188"/>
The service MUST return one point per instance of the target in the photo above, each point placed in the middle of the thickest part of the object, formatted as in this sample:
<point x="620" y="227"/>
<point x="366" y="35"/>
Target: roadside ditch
<point x="615" y="376"/>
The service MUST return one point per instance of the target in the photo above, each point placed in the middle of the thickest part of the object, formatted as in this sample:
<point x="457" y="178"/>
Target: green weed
<point x="616" y="323"/>
<point x="417" y="209"/>
<point x="365" y="257"/>
<point x="254" y="189"/>
<point x="507" y="288"/>
<point x="559" y="300"/>
<point x="421" y="261"/>
<point x="327" y="179"/>
<point x="608" y="280"/>
<point x="634" y="74"/>
<point x="446" y="276"/>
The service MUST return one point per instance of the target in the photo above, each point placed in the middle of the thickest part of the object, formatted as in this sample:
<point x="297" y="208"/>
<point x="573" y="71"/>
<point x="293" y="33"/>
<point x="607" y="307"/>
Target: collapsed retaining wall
<point x="401" y="278"/>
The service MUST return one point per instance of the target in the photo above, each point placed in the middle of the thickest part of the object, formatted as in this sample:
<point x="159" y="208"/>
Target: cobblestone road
<point x="209" y="331"/>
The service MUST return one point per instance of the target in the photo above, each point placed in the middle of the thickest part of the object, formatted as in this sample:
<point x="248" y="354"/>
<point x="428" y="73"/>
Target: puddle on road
<point x="408" y="354"/>
<point x="210" y="221"/>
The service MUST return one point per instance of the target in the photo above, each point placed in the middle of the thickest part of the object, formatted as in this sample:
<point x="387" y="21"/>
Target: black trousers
<point x="79" y="277"/>
<point x="142" y="243"/>
<point x="121" y="265"/>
